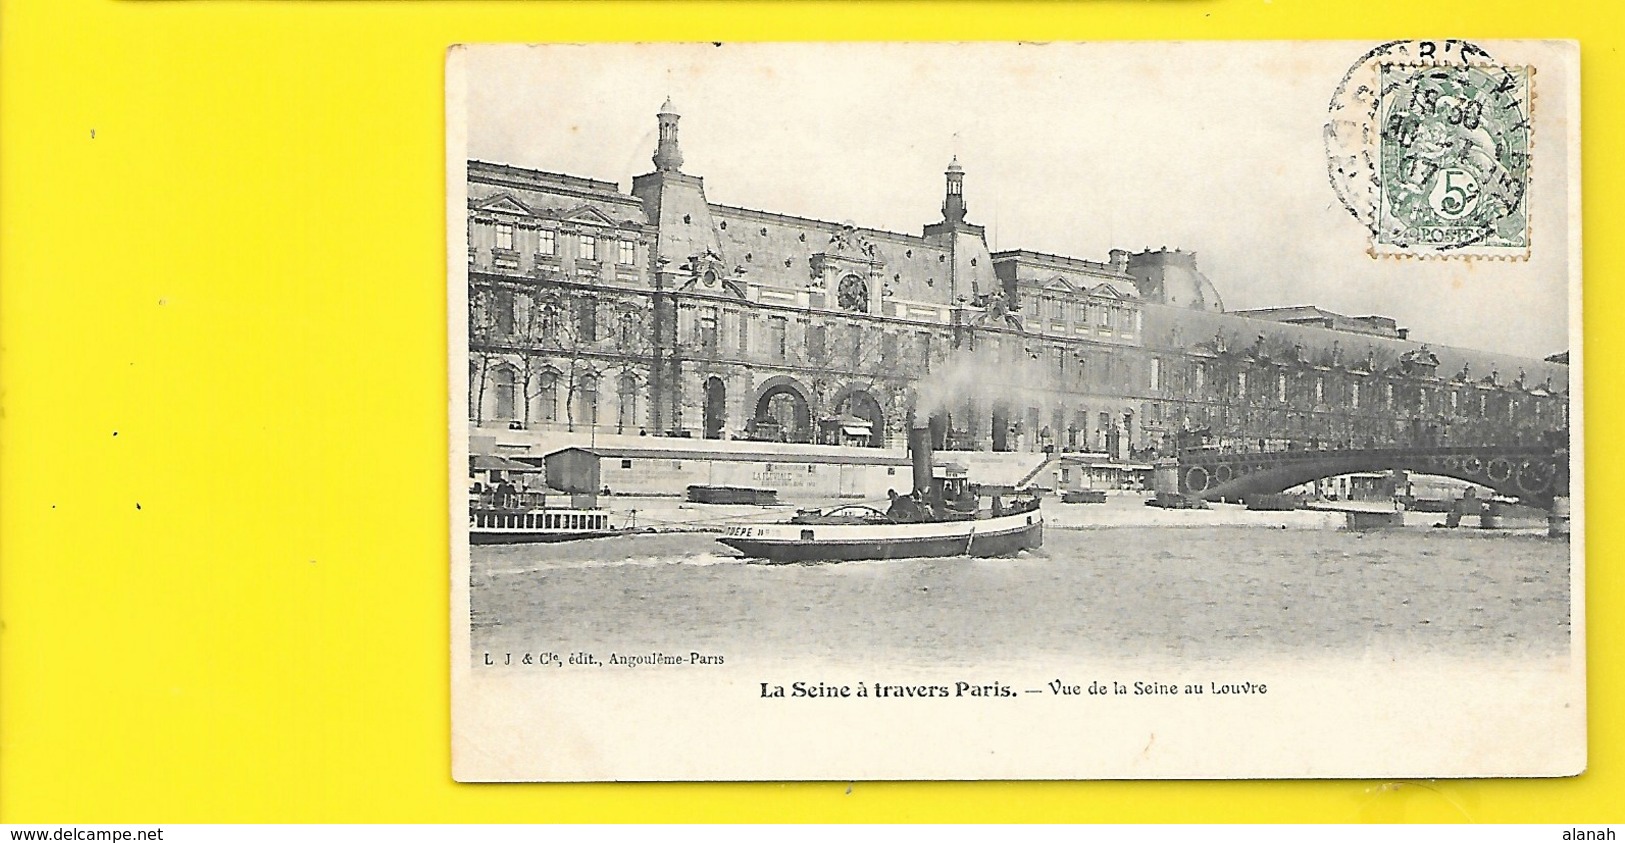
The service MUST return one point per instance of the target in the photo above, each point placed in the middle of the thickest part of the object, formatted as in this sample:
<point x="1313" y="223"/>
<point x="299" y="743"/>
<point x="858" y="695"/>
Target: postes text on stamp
<point x="1453" y="160"/>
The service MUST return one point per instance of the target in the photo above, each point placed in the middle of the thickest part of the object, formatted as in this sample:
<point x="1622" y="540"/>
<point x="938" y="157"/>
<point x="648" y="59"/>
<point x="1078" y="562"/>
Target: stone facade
<point x="661" y="312"/>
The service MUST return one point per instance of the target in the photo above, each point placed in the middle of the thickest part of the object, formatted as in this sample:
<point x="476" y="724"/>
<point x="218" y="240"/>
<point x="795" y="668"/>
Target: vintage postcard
<point x="1015" y="411"/>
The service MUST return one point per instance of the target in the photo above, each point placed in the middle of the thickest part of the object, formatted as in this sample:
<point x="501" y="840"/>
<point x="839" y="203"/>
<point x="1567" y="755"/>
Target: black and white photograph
<point x="1015" y="411"/>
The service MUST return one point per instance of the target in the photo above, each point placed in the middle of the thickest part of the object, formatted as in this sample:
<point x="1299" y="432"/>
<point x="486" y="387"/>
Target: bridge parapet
<point x="1534" y="474"/>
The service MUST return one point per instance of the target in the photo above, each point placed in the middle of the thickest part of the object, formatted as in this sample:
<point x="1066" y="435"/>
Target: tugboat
<point x="941" y="516"/>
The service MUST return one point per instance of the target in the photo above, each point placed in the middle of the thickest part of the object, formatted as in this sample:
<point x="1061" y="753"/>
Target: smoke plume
<point x="984" y="377"/>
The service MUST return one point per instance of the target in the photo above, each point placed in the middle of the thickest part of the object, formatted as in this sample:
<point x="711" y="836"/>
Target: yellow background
<point x="223" y="586"/>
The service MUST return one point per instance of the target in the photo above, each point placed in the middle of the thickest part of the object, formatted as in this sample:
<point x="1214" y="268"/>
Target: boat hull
<point x="536" y="537"/>
<point x="489" y="525"/>
<point x="986" y="537"/>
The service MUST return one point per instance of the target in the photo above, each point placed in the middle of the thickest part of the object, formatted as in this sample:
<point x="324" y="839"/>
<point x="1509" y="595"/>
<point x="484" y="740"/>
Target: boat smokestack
<point x="919" y="448"/>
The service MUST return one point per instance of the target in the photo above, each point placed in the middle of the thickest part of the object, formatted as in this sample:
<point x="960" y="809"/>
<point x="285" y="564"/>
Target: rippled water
<point x="1134" y="592"/>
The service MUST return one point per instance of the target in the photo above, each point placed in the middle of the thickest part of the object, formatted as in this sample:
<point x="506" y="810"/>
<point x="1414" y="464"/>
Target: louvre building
<point x="659" y="312"/>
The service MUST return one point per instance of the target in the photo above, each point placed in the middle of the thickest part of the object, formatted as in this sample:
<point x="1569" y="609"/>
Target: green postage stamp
<point x="1453" y="160"/>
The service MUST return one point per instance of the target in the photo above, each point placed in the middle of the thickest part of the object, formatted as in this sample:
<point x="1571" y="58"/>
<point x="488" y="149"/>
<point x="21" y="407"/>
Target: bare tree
<point x="631" y="339"/>
<point x="484" y="346"/>
<point x="567" y="331"/>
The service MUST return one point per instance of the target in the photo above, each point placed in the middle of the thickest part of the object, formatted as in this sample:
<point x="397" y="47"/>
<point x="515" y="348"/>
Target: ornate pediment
<point x="1421" y="362"/>
<point x="996" y="312"/>
<point x="707" y="272"/>
<point x="847" y="251"/>
<point x="590" y="215"/>
<point x="503" y="204"/>
<point x="849" y="242"/>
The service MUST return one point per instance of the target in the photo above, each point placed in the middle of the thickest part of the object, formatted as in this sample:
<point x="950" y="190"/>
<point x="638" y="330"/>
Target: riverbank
<point x="1121" y="509"/>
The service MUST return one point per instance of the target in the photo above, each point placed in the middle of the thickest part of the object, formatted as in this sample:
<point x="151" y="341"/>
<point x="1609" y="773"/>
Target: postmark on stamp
<point x="1429" y="145"/>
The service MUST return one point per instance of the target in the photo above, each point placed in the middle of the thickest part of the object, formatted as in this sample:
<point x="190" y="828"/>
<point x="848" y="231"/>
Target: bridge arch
<point x="1534" y="475"/>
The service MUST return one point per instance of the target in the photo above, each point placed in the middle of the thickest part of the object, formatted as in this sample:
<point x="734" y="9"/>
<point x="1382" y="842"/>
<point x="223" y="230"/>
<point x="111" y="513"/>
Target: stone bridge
<point x="1533" y="474"/>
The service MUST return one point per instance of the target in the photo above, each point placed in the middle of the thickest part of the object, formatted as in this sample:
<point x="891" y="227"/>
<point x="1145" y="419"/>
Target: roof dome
<point x="1171" y="278"/>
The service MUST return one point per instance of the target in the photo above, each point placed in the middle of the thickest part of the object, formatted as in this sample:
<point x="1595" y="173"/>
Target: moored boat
<point x="500" y="525"/>
<point x="733" y="495"/>
<point x="942" y="516"/>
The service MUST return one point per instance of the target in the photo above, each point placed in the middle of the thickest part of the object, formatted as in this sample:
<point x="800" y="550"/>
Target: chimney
<point x="919" y="448"/>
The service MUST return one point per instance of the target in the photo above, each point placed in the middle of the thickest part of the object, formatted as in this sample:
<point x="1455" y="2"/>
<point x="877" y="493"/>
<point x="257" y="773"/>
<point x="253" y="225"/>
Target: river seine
<point x="1132" y="592"/>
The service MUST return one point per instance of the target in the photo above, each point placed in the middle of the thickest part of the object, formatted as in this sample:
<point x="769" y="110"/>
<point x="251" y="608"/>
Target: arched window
<point x="628" y="416"/>
<point x="547" y="395"/>
<point x="589" y="399"/>
<point x="505" y="405"/>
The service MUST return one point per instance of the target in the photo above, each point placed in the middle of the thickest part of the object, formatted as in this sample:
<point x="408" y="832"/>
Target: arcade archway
<point x="860" y="403"/>
<point x="783" y="412"/>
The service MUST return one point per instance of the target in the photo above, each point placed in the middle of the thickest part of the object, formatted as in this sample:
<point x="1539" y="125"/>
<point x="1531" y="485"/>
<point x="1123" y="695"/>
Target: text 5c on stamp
<point x="1453" y="160"/>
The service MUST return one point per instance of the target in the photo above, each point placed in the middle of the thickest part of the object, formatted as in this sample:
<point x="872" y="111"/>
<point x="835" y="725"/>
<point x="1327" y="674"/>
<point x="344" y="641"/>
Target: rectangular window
<point x="589" y="248"/>
<point x="924" y="340"/>
<point x="587" y="320"/>
<point x="1320" y="390"/>
<point x="626" y="463"/>
<point x="777" y="336"/>
<point x="888" y="349"/>
<point x="1388" y="396"/>
<point x="547" y="242"/>
<point x="1354" y="395"/>
<point x="708" y="330"/>
<point x="1280" y="387"/>
<point x="1201" y="377"/>
<point x="503" y="300"/>
<point x="1057" y="309"/>
<point x="523" y="311"/>
<point x="1105" y="317"/>
<point x="504" y="236"/>
<point x="1156" y="374"/>
<point x="1241" y="386"/>
<point x="744" y="333"/>
<point x="815" y="342"/>
<point x="628" y="253"/>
